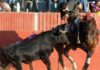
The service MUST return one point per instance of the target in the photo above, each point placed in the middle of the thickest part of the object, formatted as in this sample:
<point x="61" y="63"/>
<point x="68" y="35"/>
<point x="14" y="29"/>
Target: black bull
<point x="33" y="48"/>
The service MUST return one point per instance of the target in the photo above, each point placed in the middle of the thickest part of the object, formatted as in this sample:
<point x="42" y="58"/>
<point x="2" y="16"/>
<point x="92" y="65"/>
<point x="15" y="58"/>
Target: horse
<point x="88" y="35"/>
<point x="87" y="32"/>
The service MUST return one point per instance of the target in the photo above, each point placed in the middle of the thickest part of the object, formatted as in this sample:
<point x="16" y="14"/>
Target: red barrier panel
<point x="16" y="21"/>
<point x="17" y="26"/>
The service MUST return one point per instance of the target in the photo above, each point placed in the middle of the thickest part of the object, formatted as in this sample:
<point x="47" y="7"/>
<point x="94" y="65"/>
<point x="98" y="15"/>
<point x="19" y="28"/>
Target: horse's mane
<point x="91" y="20"/>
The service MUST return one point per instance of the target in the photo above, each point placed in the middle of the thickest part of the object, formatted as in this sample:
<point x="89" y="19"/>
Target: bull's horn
<point x="62" y="31"/>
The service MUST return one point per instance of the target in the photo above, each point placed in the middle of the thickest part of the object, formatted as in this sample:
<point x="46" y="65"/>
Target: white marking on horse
<point x="73" y="62"/>
<point x="71" y="58"/>
<point x="75" y="65"/>
<point x="65" y="68"/>
<point x="88" y="60"/>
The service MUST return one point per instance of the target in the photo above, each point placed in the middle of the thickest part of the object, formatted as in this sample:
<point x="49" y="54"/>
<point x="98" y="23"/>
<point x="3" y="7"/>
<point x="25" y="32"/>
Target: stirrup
<point x="78" y="40"/>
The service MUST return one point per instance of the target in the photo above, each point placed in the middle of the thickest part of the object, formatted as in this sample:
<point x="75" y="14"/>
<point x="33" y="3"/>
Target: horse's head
<point x="88" y="29"/>
<point x="89" y="22"/>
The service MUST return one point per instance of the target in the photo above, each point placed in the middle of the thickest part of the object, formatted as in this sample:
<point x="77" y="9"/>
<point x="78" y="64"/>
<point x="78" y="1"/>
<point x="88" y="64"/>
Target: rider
<point x="72" y="18"/>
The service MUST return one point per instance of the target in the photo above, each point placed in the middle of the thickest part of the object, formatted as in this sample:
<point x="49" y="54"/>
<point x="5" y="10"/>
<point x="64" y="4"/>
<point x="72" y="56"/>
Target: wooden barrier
<point x="17" y="26"/>
<point x="16" y="21"/>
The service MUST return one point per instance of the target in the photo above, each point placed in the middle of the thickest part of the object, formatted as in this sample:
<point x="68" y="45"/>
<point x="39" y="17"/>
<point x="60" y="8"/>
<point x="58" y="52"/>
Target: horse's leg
<point x="88" y="58"/>
<point x="46" y="61"/>
<point x="66" y="50"/>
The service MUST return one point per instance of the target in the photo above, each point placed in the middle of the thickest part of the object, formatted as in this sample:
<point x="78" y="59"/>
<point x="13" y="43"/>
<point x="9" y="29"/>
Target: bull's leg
<point x="5" y="65"/>
<point x="66" y="50"/>
<point x="8" y="67"/>
<point x="31" y="67"/>
<point x="47" y="62"/>
<point x="1" y="68"/>
<point x="17" y="65"/>
<point x="60" y="58"/>
<point x="88" y="58"/>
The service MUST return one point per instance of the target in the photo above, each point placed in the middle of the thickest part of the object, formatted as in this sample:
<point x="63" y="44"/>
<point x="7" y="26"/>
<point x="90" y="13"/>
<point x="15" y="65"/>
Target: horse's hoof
<point x="74" y="67"/>
<point x="84" y="69"/>
<point x="1" y="68"/>
<point x="65" y="68"/>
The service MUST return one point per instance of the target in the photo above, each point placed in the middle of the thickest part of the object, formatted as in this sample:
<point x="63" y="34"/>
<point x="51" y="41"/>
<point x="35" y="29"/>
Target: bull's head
<point x="61" y="34"/>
